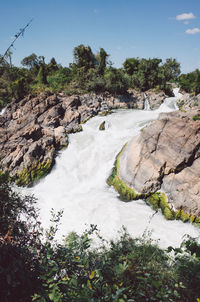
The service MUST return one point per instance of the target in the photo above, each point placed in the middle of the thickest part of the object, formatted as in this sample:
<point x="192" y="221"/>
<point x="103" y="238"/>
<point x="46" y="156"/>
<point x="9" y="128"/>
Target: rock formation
<point x="188" y="102"/>
<point x="34" y="128"/>
<point x="165" y="157"/>
<point x="102" y="126"/>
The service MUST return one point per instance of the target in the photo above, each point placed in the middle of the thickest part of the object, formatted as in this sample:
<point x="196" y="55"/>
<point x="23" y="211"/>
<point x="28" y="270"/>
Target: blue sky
<point x="124" y="28"/>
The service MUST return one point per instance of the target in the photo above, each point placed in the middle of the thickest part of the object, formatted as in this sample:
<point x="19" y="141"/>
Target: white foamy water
<point x="77" y="182"/>
<point x="2" y="111"/>
<point x="146" y="102"/>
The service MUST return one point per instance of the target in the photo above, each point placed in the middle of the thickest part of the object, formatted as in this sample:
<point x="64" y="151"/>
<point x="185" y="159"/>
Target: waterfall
<point x="2" y="111"/>
<point x="146" y="102"/>
<point x="77" y="183"/>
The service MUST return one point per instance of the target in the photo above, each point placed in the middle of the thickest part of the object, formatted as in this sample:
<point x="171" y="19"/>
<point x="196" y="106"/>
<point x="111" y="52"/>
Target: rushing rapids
<point x="77" y="183"/>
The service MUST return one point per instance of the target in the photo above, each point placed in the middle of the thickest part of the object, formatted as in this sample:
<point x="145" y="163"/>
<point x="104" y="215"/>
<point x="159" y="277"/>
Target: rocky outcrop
<point x="155" y="98"/>
<point x="33" y="129"/>
<point x="165" y="157"/>
<point x="102" y="126"/>
<point x="188" y="102"/>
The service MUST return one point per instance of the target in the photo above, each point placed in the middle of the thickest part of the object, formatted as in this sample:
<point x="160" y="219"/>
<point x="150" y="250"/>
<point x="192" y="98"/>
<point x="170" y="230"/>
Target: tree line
<point x="89" y="72"/>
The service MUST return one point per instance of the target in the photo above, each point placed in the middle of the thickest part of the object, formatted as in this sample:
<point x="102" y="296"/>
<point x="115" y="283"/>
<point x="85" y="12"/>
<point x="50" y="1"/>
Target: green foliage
<point x="190" y="82"/>
<point x="116" y="81"/>
<point x="196" y="117"/>
<point x="88" y="73"/>
<point x="59" y="79"/>
<point x="171" y="70"/>
<point x="102" y="61"/>
<point x="30" y="61"/>
<point x="124" y="270"/>
<point x="83" y="57"/>
<point x="42" y="76"/>
<point x="52" y="66"/>
<point x="18" y="246"/>
<point x="148" y="74"/>
<point x="131" y="65"/>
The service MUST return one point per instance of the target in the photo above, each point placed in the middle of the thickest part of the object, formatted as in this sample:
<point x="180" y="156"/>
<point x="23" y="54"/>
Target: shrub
<point x="196" y="117"/>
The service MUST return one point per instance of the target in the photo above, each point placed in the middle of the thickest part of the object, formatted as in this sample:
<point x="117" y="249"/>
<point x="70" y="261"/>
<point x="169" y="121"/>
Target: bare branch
<point x="20" y="33"/>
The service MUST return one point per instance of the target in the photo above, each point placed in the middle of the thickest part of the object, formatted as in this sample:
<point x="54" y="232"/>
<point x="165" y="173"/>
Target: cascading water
<point x="146" y="102"/>
<point x="77" y="183"/>
<point x="2" y="111"/>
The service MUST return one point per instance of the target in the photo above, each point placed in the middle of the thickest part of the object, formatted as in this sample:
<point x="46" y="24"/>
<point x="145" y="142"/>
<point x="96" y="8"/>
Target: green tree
<point x="30" y="61"/>
<point x="58" y="79"/>
<point x="171" y="70"/>
<point x="102" y="61"/>
<point x="116" y="81"/>
<point x="190" y="82"/>
<point x="131" y="65"/>
<point x="52" y="66"/>
<point x="84" y="57"/>
<point x="42" y="76"/>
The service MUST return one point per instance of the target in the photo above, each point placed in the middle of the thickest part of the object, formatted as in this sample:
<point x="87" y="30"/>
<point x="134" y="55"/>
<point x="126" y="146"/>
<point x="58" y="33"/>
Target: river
<point x="77" y="182"/>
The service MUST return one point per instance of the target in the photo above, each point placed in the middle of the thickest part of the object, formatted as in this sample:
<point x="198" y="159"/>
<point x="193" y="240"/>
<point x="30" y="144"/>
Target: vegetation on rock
<point x="126" y="193"/>
<point x="34" y="173"/>
<point x="157" y="200"/>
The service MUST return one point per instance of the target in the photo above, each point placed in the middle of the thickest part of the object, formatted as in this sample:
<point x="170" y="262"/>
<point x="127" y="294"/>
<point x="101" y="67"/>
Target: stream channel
<point x="77" y="183"/>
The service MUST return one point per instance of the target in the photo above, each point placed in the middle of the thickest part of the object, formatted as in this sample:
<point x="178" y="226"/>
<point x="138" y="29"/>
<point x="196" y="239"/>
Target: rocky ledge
<point x="34" y="128"/>
<point x="162" y="165"/>
<point x="188" y="101"/>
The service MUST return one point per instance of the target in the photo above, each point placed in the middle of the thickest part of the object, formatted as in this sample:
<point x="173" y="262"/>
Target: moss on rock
<point x="126" y="193"/>
<point x="106" y="112"/>
<point x="34" y="173"/>
<point x="157" y="200"/>
<point x="76" y="129"/>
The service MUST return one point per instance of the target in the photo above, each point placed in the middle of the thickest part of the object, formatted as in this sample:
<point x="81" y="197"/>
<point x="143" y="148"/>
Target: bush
<point x="196" y="117"/>
<point x="18" y="246"/>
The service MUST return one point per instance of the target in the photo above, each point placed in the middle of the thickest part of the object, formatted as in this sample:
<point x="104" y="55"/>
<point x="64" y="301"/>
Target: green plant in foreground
<point x="34" y="267"/>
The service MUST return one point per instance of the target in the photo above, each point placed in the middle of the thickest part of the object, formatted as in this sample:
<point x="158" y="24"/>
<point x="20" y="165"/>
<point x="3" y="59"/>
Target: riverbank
<point x="34" y="129"/>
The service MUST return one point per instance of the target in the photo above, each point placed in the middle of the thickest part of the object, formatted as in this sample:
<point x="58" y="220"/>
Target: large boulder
<point x="165" y="157"/>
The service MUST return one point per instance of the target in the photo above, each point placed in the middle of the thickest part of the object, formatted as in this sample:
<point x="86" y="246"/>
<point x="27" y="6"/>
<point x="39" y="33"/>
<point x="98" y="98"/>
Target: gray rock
<point x="166" y="156"/>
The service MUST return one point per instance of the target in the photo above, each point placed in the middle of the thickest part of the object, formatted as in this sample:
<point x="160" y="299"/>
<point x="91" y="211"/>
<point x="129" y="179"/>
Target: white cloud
<point x="193" y="31"/>
<point x="185" y="16"/>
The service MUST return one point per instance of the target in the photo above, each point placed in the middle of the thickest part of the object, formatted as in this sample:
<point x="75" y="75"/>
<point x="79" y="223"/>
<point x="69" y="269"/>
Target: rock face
<point x="32" y="129"/>
<point x="188" y="102"/>
<point x="165" y="157"/>
<point x="102" y="126"/>
<point x="155" y="98"/>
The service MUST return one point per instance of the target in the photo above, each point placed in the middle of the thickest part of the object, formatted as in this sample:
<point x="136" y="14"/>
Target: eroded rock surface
<point x="166" y="156"/>
<point x="188" y="102"/>
<point x="32" y="129"/>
